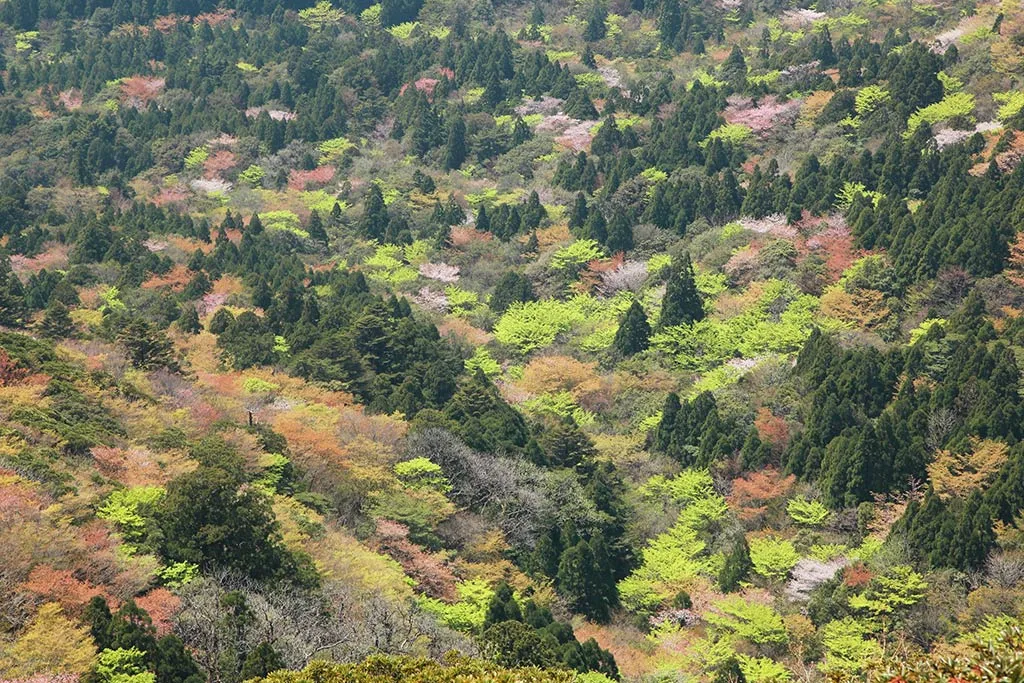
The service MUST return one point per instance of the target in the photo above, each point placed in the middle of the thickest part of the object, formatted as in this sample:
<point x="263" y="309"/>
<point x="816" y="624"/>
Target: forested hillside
<point x="472" y="340"/>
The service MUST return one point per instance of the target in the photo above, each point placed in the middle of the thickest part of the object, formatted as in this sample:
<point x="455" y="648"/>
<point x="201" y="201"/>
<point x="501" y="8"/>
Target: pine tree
<point x="578" y="215"/>
<point x="57" y="323"/>
<point x="455" y="151"/>
<point x="316" y="228"/>
<point x="682" y="304"/>
<point x="189" y="321"/>
<point x="596" y="228"/>
<point x="263" y="660"/>
<point x="503" y="606"/>
<point x="596" y="27"/>
<point x="579" y="106"/>
<point x="669" y="22"/>
<point x="736" y="567"/>
<point x="620" y="233"/>
<point x="634" y="331"/>
<point x="375" y="214"/>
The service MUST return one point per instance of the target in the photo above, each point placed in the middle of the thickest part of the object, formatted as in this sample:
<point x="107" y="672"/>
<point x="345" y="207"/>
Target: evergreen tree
<point x="502" y="607"/>
<point x="634" y="331"/>
<point x="597" y="22"/>
<point x="455" y="150"/>
<point x="189" y="321"/>
<point x="578" y="215"/>
<point x="620" y="233"/>
<point x="512" y="287"/>
<point x="670" y="20"/>
<point x="316" y="228"/>
<point x="682" y="304"/>
<point x="736" y="567"/>
<point x="263" y="660"/>
<point x="57" y="323"/>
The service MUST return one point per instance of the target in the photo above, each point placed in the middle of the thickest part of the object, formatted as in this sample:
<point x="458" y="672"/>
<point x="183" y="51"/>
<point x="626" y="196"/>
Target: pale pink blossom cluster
<point x="630" y="276"/>
<point x="431" y="300"/>
<point x="768" y="114"/>
<point x="276" y="114"/>
<point x="442" y="272"/>
<point x="773" y="224"/>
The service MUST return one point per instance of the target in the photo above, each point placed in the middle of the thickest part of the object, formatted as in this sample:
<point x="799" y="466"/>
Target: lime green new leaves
<point x="672" y="559"/>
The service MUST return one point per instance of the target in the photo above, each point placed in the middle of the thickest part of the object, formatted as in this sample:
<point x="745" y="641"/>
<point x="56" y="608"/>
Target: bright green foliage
<point x="828" y="551"/>
<point x="754" y="332"/>
<point x="253" y="175"/>
<point x="957" y="105"/>
<point x="388" y="266"/>
<point x="899" y="588"/>
<point x="807" y="512"/>
<point x="732" y="133"/>
<point x="531" y="325"/>
<point x="130" y="509"/>
<point x="469" y="612"/>
<point x="752" y="621"/>
<point x="371" y="15"/>
<point x="763" y="670"/>
<point x="921" y="330"/>
<point x="320" y="15"/>
<point x="123" y="666"/>
<point x="421" y="473"/>
<point x="1011" y="103"/>
<point x="851" y="190"/>
<point x="870" y="98"/>
<point x="283" y="220"/>
<point x="461" y="301"/>
<point x="949" y="83"/>
<point x="255" y="385"/>
<point x="671" y="560"/>
<point x="331" y="150"/>
<point x="561" y="404"/>
<point x="572" y="256"/>
<point x="177" y="574"/>
<point x="454" y="669"/>
<point x="847" y="649"/>
<point x="773" y="557"/>
<point x="275" y="471"/>
<point x="197" y="157"/>
<point x="483" y="361"/>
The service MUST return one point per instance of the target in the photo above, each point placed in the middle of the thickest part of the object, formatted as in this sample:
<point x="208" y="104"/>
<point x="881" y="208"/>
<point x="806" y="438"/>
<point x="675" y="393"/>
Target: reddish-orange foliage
<point x="167" y="23"/>
<point x="462" y="235"/>
<point x="857" y="575"/>
<point x="163" y="606"/>
<point x="218" y="162"/>
<point x="60" y="585"/>
<point x="462" y="329"/>
<point x="170" y="195"/>
<point x="305" y="180"/>
<point x="1015" y="264"/>
<point x="176" y="279"/>
<point x="591" y="277"/>
<point x="53" y="257"/>
<point x="139" y="91"/>
<point x="752" y="492"/>
<point x="835" y="245"/>
<point x="425" y="85"/>
<point x="430" y="572"/>
<point x="771" y="429"/>
<point x="10" y="371"/>
<point x="214" y="18"/>
<point x="71" y="99"/>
